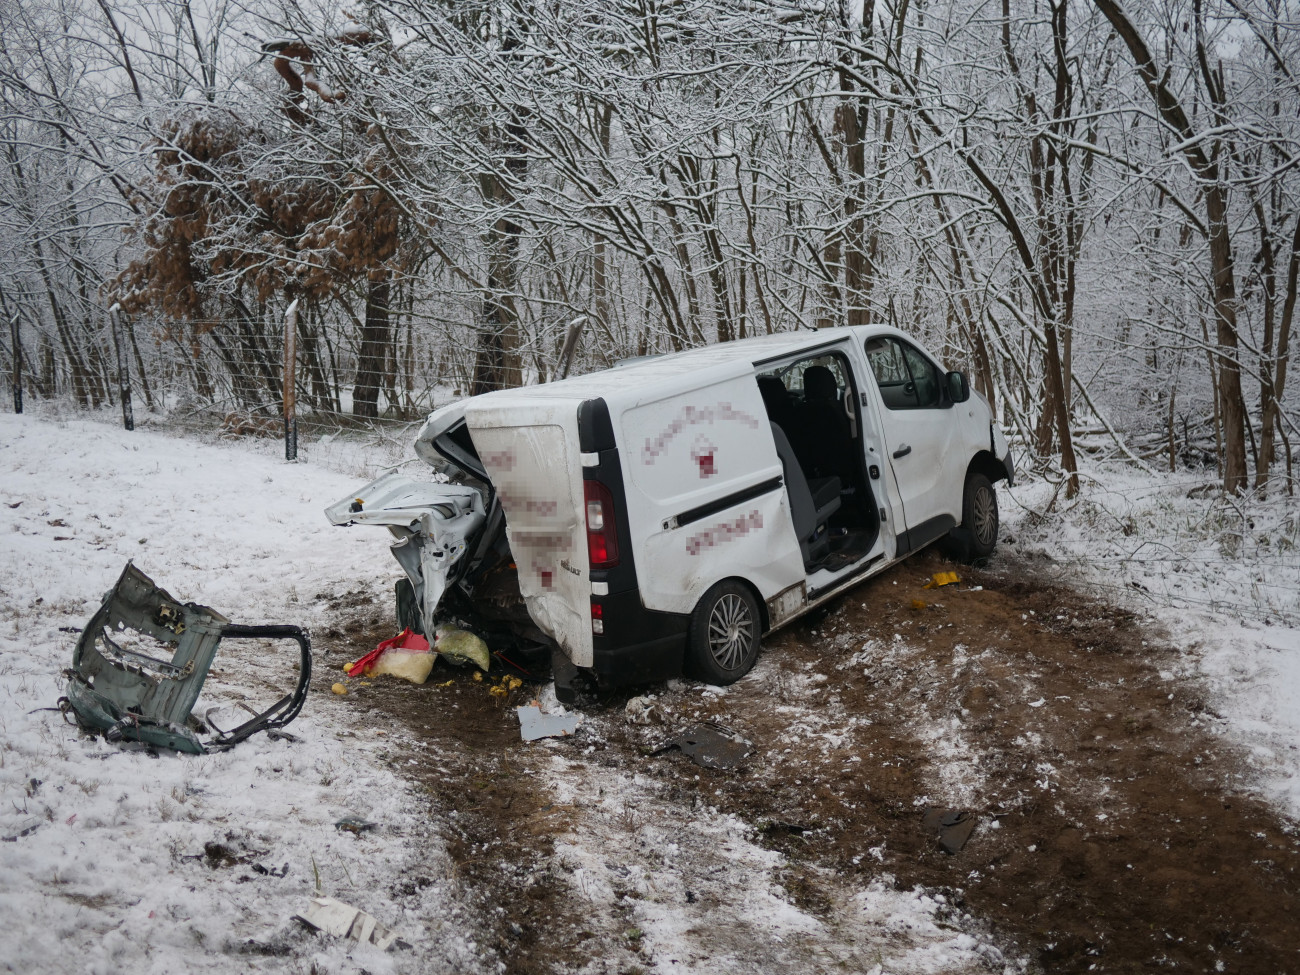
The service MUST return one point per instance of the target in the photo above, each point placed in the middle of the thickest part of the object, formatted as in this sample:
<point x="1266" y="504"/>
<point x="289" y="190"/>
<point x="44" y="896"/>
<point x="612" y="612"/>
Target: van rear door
<point x="531" y="453"/>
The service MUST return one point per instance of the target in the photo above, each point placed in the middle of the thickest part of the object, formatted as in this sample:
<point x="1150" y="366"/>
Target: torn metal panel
<point x="433" y="525"/>
<point x="535" y="724"/>
<point x="141" y="662"/>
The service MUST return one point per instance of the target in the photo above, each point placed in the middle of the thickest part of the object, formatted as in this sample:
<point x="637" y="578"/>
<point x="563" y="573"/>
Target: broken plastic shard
<point x="534" y="724"/>
<point x="461" y="646"/>
<point x="345" y="921"/>
<point x="26" y="828"/>
<point x="953" y="826"/>
<point x="710" y="746"/>
<point x="941" y="579"/>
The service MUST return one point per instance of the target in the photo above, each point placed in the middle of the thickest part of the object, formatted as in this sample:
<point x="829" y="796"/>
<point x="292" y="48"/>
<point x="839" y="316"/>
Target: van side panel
<point x="705" y="497"/>
<point x="537" y="473"/>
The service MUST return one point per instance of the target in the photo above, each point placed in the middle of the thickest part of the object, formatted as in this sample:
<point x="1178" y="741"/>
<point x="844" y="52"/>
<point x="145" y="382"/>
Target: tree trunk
<point x="374" y="344"/>
<point x="1215" y="193"/>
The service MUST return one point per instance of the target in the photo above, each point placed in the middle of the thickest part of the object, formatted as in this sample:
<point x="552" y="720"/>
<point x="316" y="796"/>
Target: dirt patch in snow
<point x="1114" y="825"/>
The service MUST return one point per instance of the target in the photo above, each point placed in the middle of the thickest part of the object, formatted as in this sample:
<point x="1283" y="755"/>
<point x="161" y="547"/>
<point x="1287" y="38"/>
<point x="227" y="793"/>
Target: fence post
<point x="16" y="335"/>
<point x="291" y="381"/>
<point x="123" y="374"/>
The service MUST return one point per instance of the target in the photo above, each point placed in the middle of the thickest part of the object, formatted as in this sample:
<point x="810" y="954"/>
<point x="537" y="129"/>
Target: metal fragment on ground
<point x="953" y="827"/>
<point x="140" y="664"/>
<point x="345" y="921"/>
<point x="535" y="724"/>
<point x="710" y="746"/>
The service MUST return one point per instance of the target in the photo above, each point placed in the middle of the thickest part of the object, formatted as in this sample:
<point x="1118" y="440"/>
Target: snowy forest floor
<point x="1114" y="697"/>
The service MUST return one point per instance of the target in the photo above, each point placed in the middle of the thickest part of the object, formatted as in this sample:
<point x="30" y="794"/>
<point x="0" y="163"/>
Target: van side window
<point x="907" y="379"/>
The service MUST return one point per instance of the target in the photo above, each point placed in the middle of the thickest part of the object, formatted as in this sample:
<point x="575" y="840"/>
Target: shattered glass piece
<point x="534" y="724"/>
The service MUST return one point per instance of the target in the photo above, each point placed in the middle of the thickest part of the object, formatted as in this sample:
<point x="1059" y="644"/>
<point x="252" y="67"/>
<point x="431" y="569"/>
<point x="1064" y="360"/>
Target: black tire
<point x="723" y="640"/>
<point x="979" y="517"/>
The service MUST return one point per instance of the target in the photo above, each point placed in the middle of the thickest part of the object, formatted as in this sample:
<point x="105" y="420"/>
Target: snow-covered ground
<point x="1222" y="576"/>
<point x="112" y="873"/>
<point x="128" y="862"/>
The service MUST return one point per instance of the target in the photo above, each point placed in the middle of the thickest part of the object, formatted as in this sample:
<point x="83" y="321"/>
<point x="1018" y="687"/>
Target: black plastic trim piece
<point x="286" y="709"/>
<point x="595" y="429"/>
<point x="639" y="645"/>
<point x="924" y="533"/>
<point x="843" y="580"/>
<point x="730" y="500"/>
<point x="1009" y="464"/>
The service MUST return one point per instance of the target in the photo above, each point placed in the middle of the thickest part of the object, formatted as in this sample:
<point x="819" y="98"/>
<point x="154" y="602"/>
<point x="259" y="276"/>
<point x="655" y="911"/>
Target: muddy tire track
<point x="1115" y="826"/>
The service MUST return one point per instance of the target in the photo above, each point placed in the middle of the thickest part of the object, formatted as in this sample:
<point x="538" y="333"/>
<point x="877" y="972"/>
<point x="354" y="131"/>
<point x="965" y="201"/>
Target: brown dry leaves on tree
<point x="230" y="224"/>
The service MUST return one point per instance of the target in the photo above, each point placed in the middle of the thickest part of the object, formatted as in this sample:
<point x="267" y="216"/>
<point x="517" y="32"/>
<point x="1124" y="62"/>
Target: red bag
<point x="406" y="640"/>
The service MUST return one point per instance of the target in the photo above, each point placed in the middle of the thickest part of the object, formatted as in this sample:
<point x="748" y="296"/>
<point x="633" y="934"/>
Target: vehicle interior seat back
<point x="808" y="510"/>
<point x="824" y="433"/>
<point x="777" y="401"/>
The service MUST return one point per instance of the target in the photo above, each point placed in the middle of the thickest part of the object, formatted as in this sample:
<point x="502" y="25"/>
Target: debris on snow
<point x="535" y="723"/>
<point x="140" y="664"/>
<point x="643" y="710"/>
<point x="953" y="827"/>
<point x="710" y="746"/>
<point x="345" y="921"/>
<point x="355" y="824"/>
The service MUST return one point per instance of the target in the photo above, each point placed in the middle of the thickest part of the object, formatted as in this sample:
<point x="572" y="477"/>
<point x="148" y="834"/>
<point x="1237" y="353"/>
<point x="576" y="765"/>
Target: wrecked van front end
<point x="433" y="526"/>
<point x="449" y="538"/>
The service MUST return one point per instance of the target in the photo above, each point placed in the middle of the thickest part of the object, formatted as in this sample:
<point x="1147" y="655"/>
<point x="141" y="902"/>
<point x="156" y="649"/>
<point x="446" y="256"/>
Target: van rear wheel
<point x="723" y="639"/>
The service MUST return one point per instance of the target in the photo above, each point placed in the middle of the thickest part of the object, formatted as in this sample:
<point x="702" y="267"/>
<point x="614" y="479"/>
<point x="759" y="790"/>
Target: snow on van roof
<point x="668" y="374"/>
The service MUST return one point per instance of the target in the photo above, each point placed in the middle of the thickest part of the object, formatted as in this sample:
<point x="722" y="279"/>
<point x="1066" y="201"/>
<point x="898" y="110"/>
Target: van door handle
<point x="902" y="451"/>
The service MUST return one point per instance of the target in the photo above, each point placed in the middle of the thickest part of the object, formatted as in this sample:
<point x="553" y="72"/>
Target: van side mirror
<point x="958" y="387"/>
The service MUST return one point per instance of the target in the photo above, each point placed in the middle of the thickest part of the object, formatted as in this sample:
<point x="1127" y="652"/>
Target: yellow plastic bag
<point x="412" y="665"/>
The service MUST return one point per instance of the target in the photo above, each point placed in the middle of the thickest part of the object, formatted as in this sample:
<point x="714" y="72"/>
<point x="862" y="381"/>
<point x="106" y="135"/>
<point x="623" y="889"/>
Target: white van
<point x="658" y="517"/>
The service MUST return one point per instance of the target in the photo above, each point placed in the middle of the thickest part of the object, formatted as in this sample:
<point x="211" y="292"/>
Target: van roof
<point x="652" y="378"/>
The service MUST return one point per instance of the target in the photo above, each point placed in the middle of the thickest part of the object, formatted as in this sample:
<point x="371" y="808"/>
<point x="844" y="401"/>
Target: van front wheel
<point x="979" y="516"/>
<point x="723" y="639"/>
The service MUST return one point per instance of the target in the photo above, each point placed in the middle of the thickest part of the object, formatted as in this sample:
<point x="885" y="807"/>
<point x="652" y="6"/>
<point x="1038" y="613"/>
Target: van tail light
<point x="602" y="537"/>
<point x="597" y="618"/>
